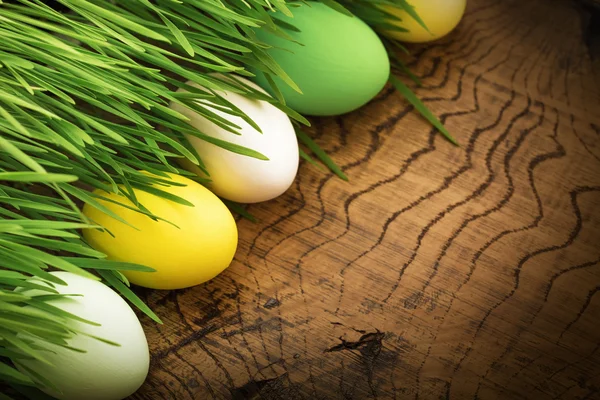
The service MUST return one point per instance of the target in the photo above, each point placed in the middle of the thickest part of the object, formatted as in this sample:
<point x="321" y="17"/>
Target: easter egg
<point x="104" y="371"/>
<point x="195" y="245"/>
<point x="237" y="177"/>
<point x="339" y="63"/>
<point x="440" y="17"/>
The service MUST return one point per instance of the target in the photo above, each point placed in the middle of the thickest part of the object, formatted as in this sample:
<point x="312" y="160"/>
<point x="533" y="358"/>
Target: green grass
<point x="84" y="104"/>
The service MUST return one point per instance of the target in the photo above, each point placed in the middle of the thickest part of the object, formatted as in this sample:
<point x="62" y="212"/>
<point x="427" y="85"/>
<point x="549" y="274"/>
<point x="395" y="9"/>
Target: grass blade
<point x="420" y="107"/>
<point x="320" y="153"/>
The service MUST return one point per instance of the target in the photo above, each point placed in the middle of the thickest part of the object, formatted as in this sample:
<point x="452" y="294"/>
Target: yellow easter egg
<point x="440" y="17"/>
<point x="194" y="246"/>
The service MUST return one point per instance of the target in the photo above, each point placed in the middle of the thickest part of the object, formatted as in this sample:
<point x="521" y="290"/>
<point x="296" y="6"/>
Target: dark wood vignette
<point x="438" y="272"/>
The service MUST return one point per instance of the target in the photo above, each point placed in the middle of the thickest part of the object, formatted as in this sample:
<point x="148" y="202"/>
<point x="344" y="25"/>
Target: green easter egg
<point x="339" y="62"/>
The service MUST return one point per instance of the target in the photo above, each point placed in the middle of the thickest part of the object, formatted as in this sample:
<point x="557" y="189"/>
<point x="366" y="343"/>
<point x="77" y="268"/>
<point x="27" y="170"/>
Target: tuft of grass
<point x="85" y="88"/>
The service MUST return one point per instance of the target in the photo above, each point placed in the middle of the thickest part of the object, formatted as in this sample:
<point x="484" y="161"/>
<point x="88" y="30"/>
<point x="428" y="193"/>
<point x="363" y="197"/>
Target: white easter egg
<point x="241" y="178"/>
<point x="105" y="371"/>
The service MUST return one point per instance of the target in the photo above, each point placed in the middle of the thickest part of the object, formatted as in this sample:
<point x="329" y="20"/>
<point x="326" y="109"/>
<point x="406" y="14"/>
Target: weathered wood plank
<point x="438" y="271"/>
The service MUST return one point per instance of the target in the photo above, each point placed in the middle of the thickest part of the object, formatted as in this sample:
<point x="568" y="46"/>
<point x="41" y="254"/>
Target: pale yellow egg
<point x="440" y="17"/>
<point x="195" y="245"/>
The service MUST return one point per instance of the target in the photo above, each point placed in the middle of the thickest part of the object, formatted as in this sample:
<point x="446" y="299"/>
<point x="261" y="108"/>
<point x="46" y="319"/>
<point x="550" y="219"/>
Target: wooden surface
<point x="437" y="271"/>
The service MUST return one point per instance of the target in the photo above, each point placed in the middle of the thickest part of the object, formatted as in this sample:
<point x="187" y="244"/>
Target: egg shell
<point x="440" y="17"/>
<point x="339" y="62"/>
<point x="241" y="178"/>
<point x="195" y="245"/>
<point x="104" y="372"/>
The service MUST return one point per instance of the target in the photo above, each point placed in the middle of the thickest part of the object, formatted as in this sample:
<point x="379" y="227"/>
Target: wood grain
<point x="467" y="272"/>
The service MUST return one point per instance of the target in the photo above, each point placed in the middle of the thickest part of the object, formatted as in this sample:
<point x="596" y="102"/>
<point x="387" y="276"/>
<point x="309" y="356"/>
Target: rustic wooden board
<point x="437" y="271"/>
